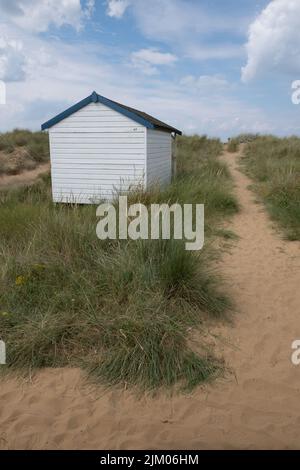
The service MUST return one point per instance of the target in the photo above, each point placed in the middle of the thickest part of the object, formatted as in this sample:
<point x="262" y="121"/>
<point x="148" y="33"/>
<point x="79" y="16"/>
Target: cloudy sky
<point x="207" y="66"/>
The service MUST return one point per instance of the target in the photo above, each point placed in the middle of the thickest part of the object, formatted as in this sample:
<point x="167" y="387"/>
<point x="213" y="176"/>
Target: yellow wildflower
<point x="20" y="280"/>
<point x="39" y="267"/>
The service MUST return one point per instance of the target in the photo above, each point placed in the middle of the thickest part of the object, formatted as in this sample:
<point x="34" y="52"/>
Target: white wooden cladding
<point x="159" y="157"/>
<point x="97" y="152"/>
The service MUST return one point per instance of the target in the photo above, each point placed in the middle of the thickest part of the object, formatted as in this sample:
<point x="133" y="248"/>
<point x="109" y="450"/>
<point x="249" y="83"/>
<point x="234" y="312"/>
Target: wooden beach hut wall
<point x="100" y="148"/>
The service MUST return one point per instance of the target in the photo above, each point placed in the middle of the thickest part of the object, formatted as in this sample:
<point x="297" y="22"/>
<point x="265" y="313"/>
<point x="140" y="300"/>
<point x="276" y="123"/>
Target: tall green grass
<point x="122" y="310"/>
<point x="274" y="164"/>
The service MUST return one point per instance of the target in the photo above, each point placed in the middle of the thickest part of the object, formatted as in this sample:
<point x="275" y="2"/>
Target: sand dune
<point x="24" y="178"/>
<point x="256" y="407"/>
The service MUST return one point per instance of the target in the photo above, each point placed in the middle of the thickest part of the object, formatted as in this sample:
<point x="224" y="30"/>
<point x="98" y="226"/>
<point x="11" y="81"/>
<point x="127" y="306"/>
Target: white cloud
<point x="12" y="60"/>
<point x="147" y="60"/>
<point x="50" y="88"/>
<point x="206" y="52"/>
<point x="274" y="40"/>
<point x="37" y="15"/>
<point x="26" y="18"/>
<point x="176" y="20"/>
<point x="166" y="19"/>
<point x="89" y="8"/>
<point x="117" y="8"/>
<point x="205" y="83"/>
<point x="22" y="57"/>
<point x="56" y="74"/>
<point x="183" y="25"/>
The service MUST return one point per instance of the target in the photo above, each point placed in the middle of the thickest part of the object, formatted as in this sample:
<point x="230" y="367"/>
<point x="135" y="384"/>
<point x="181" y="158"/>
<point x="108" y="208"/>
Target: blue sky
<point x="204" y="66"/>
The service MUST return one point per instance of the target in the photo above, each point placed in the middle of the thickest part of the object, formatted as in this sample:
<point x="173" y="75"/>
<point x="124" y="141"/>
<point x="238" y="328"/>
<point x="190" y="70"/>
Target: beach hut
<point x="100" y="148"/>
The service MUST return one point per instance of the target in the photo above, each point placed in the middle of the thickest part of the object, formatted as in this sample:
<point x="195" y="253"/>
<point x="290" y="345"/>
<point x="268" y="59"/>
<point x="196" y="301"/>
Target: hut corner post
<point x="174" y="157"/>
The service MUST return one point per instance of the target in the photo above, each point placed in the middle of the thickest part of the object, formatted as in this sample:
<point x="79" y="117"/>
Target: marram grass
<point x="274" y="165"/>
<point x="121" y="310"/>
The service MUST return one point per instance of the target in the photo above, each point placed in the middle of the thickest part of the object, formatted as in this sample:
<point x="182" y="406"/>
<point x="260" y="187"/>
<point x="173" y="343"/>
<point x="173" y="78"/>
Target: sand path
<point x="259" y="408"/>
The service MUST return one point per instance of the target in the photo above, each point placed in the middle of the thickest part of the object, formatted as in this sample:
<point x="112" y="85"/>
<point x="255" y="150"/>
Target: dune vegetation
<point x="274" y="165"/>
<point x="121" y="310"/>
<point x="22" y="150"/>
<point x="233" y="146"/>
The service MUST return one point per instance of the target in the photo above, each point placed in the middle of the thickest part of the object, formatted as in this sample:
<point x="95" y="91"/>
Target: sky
<point x="210" y="67"/>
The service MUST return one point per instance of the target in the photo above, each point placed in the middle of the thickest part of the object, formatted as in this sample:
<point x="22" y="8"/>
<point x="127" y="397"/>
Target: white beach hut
<point x="99" y="147"/>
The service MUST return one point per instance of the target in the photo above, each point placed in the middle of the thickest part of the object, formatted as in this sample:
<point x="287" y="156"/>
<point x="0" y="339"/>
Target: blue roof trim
<point x="94" y="98"/>
<point x="67" y="112"/>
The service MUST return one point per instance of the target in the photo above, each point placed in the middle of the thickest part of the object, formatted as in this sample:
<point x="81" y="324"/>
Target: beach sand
<point x="257" y="407"/>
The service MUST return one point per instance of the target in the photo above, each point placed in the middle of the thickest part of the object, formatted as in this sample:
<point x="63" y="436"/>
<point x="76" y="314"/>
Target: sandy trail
<point x="260" y="408"/>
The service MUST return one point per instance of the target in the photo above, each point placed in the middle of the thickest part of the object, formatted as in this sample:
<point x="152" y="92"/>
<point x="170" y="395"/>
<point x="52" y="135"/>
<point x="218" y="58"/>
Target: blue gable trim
<point x="67" y="113"/>
<point x="94" y="98"/>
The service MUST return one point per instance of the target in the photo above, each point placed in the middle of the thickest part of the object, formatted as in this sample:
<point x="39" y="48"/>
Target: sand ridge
<point x="256" y="408"/>
<point x="27" y="177"/>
